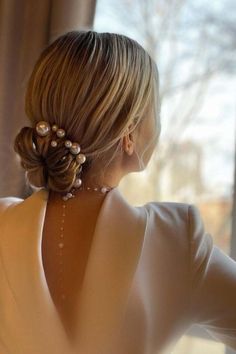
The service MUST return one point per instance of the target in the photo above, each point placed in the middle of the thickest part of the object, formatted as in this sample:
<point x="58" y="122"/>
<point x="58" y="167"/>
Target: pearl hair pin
<point x="43" y="128"/>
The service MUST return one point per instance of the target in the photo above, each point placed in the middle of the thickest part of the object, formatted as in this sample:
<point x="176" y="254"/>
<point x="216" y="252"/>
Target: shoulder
<point x="6" y="202"/>
<point x="177" y="223"/>
<point x="169" y="226"/>
<point x="170" y="213"/>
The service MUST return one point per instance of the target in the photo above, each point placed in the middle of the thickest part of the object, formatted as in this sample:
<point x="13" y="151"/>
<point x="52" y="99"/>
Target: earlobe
<point x="128" y="145"/>
<point x="130" y="149"/>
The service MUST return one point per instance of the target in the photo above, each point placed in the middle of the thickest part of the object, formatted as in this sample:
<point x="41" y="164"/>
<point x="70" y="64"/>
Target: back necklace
<point x="61" y="241"/>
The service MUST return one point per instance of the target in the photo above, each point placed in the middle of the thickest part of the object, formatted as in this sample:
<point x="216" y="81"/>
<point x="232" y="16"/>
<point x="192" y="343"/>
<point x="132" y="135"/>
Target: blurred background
<point x="193" y="43"/>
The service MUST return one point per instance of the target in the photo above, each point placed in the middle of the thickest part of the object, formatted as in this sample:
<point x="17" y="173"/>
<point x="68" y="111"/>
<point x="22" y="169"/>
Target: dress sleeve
<point x="212" y="283"/>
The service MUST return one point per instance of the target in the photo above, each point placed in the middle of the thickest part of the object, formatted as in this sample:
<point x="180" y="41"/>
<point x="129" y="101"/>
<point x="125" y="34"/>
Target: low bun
<point x="46" y="166"/>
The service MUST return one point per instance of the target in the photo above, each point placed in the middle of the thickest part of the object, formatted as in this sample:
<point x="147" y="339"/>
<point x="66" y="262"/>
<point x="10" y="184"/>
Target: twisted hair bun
<point x="46" y="166"/>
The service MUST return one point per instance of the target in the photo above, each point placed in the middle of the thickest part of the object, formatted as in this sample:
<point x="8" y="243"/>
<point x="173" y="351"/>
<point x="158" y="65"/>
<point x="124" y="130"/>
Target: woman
<point x="82" y="270"/>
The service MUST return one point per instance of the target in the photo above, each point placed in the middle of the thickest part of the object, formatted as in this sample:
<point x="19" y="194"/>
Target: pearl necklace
<point x="61" y="243"/>
<point x="70" y="194"/>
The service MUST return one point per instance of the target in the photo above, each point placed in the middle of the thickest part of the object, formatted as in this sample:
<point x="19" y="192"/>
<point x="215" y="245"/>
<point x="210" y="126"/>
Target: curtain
<point x="26" y="27"/>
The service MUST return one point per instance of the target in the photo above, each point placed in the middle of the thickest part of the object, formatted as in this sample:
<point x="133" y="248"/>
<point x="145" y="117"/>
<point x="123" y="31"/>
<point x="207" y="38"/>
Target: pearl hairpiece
<point x="43" y="128"/>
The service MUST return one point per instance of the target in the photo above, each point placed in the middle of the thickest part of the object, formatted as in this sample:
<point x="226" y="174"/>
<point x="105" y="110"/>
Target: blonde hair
<point x="93" y="85"/>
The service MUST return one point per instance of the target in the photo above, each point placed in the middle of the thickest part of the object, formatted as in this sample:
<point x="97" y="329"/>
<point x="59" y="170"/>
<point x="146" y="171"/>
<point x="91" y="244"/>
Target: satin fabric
<point x="152" y="272"/>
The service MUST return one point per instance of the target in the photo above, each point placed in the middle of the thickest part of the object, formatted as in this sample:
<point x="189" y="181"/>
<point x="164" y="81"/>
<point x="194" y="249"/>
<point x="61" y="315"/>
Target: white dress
<point x="153" y="271"/>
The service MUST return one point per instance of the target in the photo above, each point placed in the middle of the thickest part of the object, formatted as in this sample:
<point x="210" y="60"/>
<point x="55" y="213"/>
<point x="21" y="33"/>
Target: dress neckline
<point x="40" y="258"/>
<point x="113" y="259"/>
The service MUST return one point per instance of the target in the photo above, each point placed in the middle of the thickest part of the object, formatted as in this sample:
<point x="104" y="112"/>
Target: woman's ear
<point x="128" y="143"/>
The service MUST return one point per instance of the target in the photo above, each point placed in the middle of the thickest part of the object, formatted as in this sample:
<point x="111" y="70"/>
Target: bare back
<point x="81" y="215"/>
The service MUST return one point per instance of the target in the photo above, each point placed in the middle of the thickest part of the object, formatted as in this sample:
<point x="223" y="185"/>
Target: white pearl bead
<point x="103" y="189"/>
<point x="75" y="148"/>
<point x="69" y="195"/>
<point x="68" y="143"/>
<point x="61" y="133"/>
<point x="43" y="128"/>
<point x="53" y="143"/>
<point x="54" y="128"/>
<point x="65" y="198"/>
<point x="77" y="183"/>
<point x="81" y="158"/>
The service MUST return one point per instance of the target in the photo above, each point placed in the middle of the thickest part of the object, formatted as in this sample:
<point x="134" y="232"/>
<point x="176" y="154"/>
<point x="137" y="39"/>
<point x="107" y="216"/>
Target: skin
<point x="79" y="232"/>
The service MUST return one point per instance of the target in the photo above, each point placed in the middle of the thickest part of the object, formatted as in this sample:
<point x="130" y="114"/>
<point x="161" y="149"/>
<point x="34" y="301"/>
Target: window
<point x="194" y="47"/>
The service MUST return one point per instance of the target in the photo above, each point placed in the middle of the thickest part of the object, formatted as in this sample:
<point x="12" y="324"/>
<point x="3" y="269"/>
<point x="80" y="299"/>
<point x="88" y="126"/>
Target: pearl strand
<point x="61" y="242"/>
<point x="61" y="246"/>
<point x="70" y="194"/>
